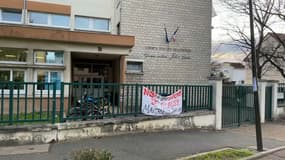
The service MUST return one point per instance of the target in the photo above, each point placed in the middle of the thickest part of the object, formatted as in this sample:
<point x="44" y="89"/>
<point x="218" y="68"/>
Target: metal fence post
<point x="137" y="99"/>
<point x="11" y="99"/>
<point x="185" y="102"/>
<point x="61" y="103"/>
<point x="54" y="102"/>
<point x="238" y="102"/>
<point x="210" y="97"/>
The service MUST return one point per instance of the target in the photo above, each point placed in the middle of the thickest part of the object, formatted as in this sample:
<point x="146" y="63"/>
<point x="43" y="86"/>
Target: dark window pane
<point x="12" y="54"/>
<point x="134" y="67"/>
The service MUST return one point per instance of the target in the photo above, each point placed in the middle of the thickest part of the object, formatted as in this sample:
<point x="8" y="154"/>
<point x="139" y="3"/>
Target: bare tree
<point x="267" y="12"/>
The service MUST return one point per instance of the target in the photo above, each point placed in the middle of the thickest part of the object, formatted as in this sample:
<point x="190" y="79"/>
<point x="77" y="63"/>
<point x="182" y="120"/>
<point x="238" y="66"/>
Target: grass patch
<point x="91" y="154"/>
<point x="228" y="154"/>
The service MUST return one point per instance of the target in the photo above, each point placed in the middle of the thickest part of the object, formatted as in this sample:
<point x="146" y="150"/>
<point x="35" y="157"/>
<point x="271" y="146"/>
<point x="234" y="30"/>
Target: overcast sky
<point x="223" y="19"/>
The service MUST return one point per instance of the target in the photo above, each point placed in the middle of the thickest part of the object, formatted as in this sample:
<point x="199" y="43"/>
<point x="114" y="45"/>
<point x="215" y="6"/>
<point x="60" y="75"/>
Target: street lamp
<point x="255" y="81"/>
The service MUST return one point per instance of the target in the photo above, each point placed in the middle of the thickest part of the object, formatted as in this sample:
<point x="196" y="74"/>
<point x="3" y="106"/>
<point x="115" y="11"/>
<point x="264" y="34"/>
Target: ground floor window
<point x="44" y="76"/>
<point x="134" y="66"/>
<point x="12" y="75"/>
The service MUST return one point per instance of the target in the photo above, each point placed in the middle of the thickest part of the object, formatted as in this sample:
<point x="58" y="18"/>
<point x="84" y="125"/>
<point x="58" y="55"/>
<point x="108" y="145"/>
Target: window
<point x="92" y="24"/>
<point x="46" y="77"/>
<point x="12" y="75"/>
<point x="13" y="55"/>
<point x="49" y="57"/>
<point x="59" y="20"/>
<point x="10" y="15"/>
<point x="101" y="25"/>
<point x="38" y="18"/>
<point x="134" y="67"/>
<point x="47" y="19"/>
<point x="81" y="22"/>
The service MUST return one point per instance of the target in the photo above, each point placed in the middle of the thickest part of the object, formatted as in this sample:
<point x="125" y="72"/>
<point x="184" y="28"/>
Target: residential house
<point x="271" y="46"/>
<point x="230" y="72"/>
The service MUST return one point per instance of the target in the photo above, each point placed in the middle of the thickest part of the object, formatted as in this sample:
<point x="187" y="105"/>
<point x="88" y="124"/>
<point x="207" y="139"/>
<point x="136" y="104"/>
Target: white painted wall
<point x="234" y="74"/>
<point x="238" y="75"/>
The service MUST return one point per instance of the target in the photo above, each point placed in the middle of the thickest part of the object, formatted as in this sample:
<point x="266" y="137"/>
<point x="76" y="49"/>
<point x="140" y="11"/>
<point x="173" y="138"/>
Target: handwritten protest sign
<point x="156" y="105"/>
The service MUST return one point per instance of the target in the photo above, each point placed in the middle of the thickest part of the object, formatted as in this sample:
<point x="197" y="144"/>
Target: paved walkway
<point x="166" y="145"/>
<point x="280" y="155"/>
<point x="272" y="130"/>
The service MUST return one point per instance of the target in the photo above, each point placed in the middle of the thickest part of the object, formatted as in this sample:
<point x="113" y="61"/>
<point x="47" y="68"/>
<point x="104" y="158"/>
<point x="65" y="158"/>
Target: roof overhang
<point x="50" y="34"/>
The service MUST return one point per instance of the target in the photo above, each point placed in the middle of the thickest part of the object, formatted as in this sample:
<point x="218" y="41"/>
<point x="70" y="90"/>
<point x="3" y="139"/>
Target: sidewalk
<point x="274" y="154"/>
<point x="153" y="146"/>
<point x="279" y="155"/>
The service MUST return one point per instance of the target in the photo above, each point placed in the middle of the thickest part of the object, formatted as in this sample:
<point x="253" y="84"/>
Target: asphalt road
<point x="152" y="146"/>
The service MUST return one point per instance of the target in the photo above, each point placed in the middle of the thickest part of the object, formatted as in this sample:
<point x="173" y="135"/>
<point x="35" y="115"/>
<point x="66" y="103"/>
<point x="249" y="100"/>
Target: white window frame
<point x="49" y="20"/>
<point x="49" y="64"/>
<point x="135" y="61"/>
<point x="91" y="21"/>
<point x="36" y="81"/>
<point x="21" y="91"/>
<point x="11" y="22"/>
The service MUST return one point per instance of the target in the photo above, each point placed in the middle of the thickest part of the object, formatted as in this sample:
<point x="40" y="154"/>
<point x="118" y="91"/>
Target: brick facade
<point x="185" y="61"/>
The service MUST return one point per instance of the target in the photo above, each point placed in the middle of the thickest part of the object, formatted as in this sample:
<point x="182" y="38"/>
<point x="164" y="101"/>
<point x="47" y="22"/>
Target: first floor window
<point x="49" y="57"/>
<point x="11" y="15"/>
<point x="49" y="19"/>
<point x="44" y="78"/>
<point x="17" y="76"/>
<point x="134" y="67"/>
<point x="92" y="24"/>
<point x="13" y="55"/>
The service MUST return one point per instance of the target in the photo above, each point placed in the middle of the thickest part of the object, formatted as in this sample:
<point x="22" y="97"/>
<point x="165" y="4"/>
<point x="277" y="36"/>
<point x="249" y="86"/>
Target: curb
<point x="264" y="153"/>
<point x="203" y="153"/>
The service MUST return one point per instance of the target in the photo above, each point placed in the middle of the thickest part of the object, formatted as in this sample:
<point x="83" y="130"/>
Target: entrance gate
<point x="237" y="105"/>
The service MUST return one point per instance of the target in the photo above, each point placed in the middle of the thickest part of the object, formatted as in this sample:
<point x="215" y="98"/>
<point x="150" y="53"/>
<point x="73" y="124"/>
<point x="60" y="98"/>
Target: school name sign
<point x="156" y="105"/>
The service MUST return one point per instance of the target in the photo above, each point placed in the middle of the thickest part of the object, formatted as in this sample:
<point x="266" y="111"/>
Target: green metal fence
<point x="27" y="102"/>
<point x="237" y="105"/>
<point x="32" y="102"/>
<point x="268" y="103"/>
<point x="281" y="93"/>
<point x="111" y="100"/>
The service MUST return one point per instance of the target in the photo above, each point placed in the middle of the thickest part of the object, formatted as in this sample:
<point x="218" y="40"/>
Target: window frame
<point x="11" y="70"/>
<point x="49" y="64"/>
<point x="91" y="24"/>
<point x="141" y="62"/>
<point x="15" y="62"/>
<point x="11" y="22"/>
<point x="45" y="91"/>
<point x="49" y="20"/>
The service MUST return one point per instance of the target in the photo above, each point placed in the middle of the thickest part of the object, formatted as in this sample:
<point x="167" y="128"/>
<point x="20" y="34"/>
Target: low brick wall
<point x="106" y="127"/>
<point x="32" y="104"/>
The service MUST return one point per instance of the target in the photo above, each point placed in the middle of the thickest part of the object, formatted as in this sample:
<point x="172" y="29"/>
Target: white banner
<point x="156" y="105"/>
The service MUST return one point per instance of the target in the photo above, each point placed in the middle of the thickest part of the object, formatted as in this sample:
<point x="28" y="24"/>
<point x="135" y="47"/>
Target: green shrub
<point x="91" y="154"/>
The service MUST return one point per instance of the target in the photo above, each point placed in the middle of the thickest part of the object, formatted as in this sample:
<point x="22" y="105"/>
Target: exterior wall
<point x="185" y="61"/>
<point x="40" y="105"/>
<point x="30" y="67"/>
<point x="238" y="75"/>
